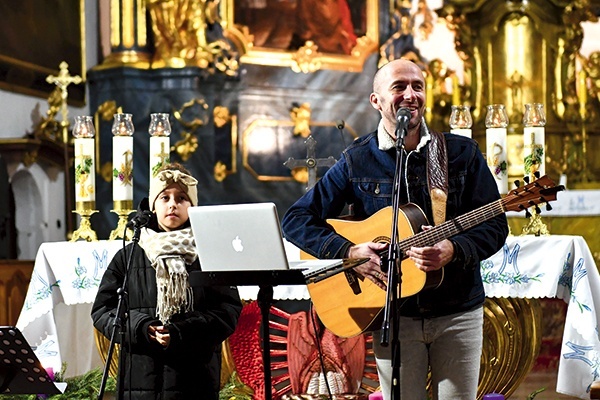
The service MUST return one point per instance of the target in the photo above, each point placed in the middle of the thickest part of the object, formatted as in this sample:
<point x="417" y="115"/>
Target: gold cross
<point x="164" y="157"/>
<point x="62" y="81"/>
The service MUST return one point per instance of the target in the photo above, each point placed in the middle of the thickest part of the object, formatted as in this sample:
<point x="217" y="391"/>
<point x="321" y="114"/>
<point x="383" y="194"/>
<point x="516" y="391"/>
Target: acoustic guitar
<point x="349" y="304"/>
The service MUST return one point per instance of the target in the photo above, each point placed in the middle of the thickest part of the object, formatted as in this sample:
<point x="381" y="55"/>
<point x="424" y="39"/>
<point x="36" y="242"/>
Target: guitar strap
<point x="437" y="176"/>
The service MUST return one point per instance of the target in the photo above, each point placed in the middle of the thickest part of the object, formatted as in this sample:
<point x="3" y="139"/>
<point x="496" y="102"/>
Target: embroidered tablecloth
<point x="562" y="267"/>
<point x="55" y="318"/>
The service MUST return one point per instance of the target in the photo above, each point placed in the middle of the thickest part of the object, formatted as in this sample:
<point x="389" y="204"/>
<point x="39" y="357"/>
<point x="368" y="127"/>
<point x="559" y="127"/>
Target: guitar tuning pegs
<point x="526" y="179"/>
<point x="527" y="214"/>
<point x="548" y="207"/>
<point x="517" y="183"/>
<point x="537" y="210"/>
<point x="536" y="174"/>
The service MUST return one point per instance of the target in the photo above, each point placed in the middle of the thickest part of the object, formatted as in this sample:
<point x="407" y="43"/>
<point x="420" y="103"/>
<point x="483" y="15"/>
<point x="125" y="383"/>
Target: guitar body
<point x="347" y="314"/>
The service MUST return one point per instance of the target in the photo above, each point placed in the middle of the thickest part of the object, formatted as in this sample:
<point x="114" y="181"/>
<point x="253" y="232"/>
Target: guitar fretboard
<point x="450" y="228"/>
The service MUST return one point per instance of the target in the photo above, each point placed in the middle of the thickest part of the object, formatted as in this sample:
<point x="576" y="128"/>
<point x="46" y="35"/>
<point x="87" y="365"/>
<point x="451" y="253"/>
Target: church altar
<point x="56" y="321"/>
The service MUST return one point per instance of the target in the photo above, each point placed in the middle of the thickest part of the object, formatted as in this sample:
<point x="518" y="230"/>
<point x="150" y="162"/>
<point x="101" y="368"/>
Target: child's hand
<point x="159" y="334"/>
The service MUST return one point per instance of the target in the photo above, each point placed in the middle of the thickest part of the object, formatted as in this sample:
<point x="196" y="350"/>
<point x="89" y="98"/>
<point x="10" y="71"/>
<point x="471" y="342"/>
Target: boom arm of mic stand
<point x="119" y="322"/>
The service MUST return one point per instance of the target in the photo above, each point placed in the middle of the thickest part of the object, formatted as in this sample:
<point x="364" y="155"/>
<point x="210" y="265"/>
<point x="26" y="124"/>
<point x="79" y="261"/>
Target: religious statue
<point x="515" y="83"/>
<point x="183" y="30"/>
<point x="439" y="93"/>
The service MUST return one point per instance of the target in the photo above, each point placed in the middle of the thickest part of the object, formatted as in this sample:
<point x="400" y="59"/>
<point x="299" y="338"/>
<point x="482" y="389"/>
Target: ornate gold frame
<point x="307" y="58"/>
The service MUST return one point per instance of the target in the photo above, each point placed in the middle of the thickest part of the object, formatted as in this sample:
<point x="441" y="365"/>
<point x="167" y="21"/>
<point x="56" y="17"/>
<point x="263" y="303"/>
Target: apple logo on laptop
<point x="237" y="244"/>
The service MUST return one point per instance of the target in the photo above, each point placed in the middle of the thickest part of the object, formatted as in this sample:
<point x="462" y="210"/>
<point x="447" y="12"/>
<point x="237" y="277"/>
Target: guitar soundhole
<point x="382" y="239"/>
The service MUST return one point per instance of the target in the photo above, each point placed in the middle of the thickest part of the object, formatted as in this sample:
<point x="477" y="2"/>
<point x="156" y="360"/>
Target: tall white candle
<point x="122" y="168"/>
<point x="160" y="144"/>
<point x="533" y="150"/>
<point x="122" y="131"/>
<point x="85" y="183"/>
<point x="496" y="121"/>
<point x="497" y="156"/>
<point x="534" y="119"/>
<point x="85" y="168"/>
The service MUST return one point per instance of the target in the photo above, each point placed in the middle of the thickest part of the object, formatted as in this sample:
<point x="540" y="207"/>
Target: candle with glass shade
<point x="122" y="131"/>
<point x="85" y="180"/>
<point x="534" y="120"/>
<point x="461" y="121"/>
<point x="160" y="145"/>
<point x="496" y="121"/>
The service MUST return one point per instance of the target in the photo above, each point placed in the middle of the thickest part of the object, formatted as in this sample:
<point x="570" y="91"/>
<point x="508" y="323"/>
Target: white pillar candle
<point x="533" y="150"/>
<point x="462" y="132"/>
<point x="160" y="145"/>
<point x="123" y="169"/>
<point x="85" y="182"/>
<point x="496" y="155"/>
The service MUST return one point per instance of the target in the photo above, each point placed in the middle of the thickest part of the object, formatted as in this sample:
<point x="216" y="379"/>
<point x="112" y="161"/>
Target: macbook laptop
<point x="246" y="237"/>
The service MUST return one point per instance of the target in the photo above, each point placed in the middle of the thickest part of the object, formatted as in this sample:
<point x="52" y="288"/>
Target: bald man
<point x="446" y="176"/>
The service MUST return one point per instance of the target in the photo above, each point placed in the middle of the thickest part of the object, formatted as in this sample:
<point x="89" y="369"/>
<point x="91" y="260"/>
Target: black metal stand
<point x="20" y="371"/>
<point x="394" y="273"/>
<point x="265" y="280"/>
<point x="119" y="325"/>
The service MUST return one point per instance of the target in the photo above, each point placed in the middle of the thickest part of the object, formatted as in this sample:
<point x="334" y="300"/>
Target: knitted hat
<point x="165" y="178"/>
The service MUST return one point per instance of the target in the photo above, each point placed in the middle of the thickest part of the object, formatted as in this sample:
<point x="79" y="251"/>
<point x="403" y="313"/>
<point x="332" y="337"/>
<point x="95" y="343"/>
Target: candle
<point x="496" y="121"/>
<point x="461" y="121"/>
<point x="85" y="182"/>
<point x="122" y="131"/>
<point x="160" y="145"/>
<point x="534" y="120"/>
<point x="582" y="92"/>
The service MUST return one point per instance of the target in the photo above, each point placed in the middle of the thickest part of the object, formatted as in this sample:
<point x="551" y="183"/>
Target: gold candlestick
<point x="85" y="230"/>
<point x="122" y="209"/>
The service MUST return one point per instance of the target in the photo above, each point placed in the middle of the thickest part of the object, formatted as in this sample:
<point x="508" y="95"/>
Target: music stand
<point x="20" y="370"/>
<point x="265" y="280"/>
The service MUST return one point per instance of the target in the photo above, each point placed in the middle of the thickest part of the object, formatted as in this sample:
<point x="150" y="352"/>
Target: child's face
<point x="171" y="207"/>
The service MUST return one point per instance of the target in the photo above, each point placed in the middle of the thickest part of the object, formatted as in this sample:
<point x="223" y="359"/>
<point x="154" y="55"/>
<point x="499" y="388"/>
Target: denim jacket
<point x="363" y="178"/>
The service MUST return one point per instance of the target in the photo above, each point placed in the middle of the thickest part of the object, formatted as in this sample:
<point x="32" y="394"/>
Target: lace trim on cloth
<point x="169" y="252"/>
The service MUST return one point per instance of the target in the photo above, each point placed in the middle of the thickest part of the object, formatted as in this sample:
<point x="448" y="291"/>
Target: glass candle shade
<point x="122" y="174"/>
<point x="461" y="121"/>
<point x="496" y="121"/>
<point x="85" y="180"/>
<point x="160" y="145"/>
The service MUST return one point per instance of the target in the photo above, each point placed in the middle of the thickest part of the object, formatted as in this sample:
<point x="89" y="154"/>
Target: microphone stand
<point x="394" y="271"/>
<point x="119" y="322"/>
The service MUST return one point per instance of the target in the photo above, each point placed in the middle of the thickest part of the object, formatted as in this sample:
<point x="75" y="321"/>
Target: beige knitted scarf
<point x="169" y="252"/>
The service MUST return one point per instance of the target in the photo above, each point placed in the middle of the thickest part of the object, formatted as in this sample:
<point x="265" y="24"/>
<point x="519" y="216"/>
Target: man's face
<point x="399" y="84"/>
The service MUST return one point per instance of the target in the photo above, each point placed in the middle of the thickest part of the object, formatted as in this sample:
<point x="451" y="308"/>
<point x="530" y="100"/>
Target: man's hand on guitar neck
<point x="371" y="269"/>
<point x="432" y="258"/>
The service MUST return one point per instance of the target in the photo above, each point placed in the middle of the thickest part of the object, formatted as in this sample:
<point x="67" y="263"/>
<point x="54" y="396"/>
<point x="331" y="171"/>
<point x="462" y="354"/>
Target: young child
<point x="172" y="349"/>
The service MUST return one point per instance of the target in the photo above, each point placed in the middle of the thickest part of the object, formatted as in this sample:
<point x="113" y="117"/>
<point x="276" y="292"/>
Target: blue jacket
<point x="363" y="178"/>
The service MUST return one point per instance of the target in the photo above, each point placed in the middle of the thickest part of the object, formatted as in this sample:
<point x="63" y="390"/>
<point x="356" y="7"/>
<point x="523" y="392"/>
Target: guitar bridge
<point x="353" y="282"/>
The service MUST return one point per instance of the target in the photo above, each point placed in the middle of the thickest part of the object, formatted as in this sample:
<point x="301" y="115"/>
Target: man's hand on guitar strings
<point x="371" y="269"/>
<point x="434" y="257"/>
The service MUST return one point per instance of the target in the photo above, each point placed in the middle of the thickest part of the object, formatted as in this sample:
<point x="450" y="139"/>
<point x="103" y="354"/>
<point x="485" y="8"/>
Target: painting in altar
<point x="333" y="25"/>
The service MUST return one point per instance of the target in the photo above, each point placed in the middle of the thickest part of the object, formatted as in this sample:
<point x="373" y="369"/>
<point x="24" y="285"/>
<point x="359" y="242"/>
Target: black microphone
<point x="403" y="115"/>
<point x="402" y="118"/>
<point x="142" y="217"/>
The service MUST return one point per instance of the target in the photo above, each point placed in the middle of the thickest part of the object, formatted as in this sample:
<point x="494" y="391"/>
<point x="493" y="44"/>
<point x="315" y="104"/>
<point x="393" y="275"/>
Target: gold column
<point x="128" y="35"/>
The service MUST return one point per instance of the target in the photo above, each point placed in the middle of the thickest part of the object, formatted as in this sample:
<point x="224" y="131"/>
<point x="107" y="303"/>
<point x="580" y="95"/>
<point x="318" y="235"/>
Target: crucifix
<point x="310" y="162"/>
<point x="63" y="80"/>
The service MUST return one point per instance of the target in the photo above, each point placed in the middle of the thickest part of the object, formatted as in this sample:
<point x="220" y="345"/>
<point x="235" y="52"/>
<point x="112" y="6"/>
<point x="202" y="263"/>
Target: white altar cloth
<point x="562" y="267"/>
<point x="56" y="315"/>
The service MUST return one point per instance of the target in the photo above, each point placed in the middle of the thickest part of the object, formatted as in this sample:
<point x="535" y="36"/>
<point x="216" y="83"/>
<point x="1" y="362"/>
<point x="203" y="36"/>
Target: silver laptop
<point x="245" y="237"/>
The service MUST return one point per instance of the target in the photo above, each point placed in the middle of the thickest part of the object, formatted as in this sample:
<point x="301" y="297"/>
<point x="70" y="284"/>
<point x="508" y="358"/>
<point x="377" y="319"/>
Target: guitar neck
<point x="453" y="226"/>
